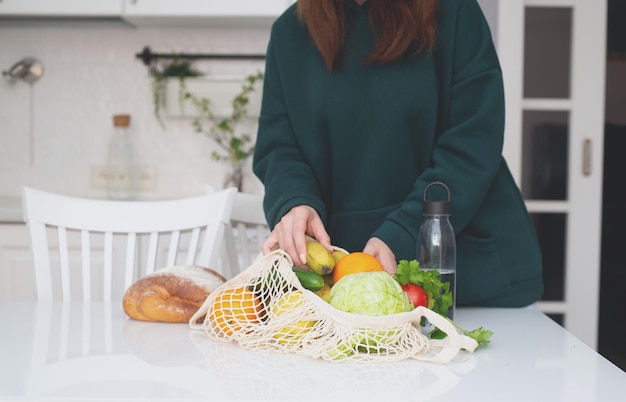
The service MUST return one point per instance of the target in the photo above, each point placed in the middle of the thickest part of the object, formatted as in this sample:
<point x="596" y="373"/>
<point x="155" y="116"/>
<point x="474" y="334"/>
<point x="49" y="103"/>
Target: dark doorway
<point x="612" y="328"/>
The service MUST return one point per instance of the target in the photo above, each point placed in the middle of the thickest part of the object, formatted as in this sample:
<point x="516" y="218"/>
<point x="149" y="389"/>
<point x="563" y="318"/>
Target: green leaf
<point x="437" y="334"/>
<point x="439" y="297"/>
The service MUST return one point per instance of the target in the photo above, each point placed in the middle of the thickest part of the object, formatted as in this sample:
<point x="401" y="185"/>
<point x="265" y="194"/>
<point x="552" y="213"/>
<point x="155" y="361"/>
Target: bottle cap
<point x="121" y="120"/>
<point x="439" y="207"/>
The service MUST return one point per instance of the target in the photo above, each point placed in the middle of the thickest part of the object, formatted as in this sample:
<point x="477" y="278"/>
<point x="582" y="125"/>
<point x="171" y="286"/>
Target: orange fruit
<point x="235" y="310"/>
<point x="354" y="263"/>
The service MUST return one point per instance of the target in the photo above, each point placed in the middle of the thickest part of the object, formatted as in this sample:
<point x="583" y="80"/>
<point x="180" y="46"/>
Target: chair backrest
<point x="103" y="246"/>
<point x="245" y="234"/>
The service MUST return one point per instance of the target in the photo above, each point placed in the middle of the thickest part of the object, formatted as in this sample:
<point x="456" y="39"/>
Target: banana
<point x="324" y="292"/>
<point x="318" y="258"/>
<point x="328" y="279"/>
<point x="338" y="254"/>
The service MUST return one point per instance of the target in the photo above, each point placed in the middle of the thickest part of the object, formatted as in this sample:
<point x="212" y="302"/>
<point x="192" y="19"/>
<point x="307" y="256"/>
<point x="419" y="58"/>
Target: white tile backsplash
<point x="91" y="73"/>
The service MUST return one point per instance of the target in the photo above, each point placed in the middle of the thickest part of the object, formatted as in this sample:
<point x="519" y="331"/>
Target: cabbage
<point x="369" y="293"/>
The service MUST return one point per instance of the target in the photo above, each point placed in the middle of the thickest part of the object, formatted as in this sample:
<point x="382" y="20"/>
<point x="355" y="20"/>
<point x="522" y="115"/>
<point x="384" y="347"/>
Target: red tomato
<point x="417" y="295"/>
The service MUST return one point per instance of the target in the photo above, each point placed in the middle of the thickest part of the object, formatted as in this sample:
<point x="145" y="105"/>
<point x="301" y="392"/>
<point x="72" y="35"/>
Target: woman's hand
<point x="289" y="233"/>
<point x="383" y="253"/>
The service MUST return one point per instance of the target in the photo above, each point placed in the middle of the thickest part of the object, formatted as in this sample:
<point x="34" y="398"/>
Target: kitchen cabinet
<point x="17" y="277"/>
<point x="60" y="8"/>
<point x="239" y="13"/>
<point x="231" y="13"/>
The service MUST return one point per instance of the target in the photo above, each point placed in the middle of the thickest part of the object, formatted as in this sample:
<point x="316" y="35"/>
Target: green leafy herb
<point x="439" y="293"/>
<point x="161" y="72"/>
<point x="480" y="334"/>
<point x="234" y="147"/>
<point x="439" y="297"/>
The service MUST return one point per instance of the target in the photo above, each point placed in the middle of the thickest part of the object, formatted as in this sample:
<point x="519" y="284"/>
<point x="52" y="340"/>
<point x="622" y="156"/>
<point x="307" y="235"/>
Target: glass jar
<point x="120" y="161"/>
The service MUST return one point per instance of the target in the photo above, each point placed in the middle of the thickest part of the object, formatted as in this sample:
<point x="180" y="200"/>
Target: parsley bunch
<point x="439" y="293"/>
<point x="439" y="297"/>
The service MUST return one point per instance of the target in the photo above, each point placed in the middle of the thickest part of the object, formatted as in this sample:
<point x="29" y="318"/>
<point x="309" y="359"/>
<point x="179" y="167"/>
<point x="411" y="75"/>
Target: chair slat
<point x="246" y="232"/>
<point x="131" y="251"/>
<point x="261" y="234"/>
<point x="153" y="247"/>
<point x="64" y="268"/>
<point x="242" y="240"/>
<point x="212" y="245"/>
<point x="41" y="259"/>
<point x="108" y="266"/>
<point x="193" y="247"/>
<point x="172" y="251"/>
<point x="230" y="266"/>
<point x="85" y="250"/>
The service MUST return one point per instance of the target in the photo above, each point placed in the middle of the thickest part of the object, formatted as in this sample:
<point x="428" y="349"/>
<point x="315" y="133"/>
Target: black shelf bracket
<point x="147" y="56"/>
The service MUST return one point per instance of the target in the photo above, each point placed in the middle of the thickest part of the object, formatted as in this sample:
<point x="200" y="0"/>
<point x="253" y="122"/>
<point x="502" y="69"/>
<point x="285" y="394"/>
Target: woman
<point x="367" y="102"/>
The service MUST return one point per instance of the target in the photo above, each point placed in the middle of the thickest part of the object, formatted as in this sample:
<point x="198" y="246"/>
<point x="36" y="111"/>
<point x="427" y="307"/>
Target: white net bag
<point x="266" y="308"/>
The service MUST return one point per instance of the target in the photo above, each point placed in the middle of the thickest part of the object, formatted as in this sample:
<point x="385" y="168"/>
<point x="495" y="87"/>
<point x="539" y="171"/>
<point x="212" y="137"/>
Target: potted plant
<point x="235" y="147"/>
<point x="162" y="72"/>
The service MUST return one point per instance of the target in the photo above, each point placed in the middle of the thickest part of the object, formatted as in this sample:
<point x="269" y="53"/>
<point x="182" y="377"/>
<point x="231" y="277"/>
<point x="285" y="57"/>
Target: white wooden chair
<point x="103" y="246"/>
<point x="245" y="233"/>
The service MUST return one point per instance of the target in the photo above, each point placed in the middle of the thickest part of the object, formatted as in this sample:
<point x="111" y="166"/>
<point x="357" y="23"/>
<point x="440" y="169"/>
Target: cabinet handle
<point x="587" y="157"/>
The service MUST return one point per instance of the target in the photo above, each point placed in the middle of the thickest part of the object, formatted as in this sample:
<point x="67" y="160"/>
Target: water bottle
<point x="120" y="161"/>
<point x="436" y="247"/>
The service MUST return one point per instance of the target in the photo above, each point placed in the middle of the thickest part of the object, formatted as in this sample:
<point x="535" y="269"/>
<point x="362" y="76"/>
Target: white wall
<point x="490" y="9"/>
<point x="91" y="73"/>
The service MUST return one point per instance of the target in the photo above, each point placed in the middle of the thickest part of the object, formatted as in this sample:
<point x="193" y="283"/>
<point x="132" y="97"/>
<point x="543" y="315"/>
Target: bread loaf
<point x="171" y="294"/>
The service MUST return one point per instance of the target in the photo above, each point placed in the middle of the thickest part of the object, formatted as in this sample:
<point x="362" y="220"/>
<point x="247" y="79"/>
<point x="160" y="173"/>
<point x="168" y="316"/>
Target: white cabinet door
<point x="553" y="59"/>
<point x="17" y="276"/>
<point x="207" y="8"/>
<point x="61" y="8"/>
<point x="214" y="13"/>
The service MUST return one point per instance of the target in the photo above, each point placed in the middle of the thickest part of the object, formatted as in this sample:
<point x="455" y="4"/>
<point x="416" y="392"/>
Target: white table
<point x="78" y="352"/>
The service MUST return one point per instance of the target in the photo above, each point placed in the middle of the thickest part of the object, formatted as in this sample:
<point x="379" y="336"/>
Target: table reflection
<point x="94" y="349"/>
<point x="93" y="352"/>
<point x="270" y="375"/>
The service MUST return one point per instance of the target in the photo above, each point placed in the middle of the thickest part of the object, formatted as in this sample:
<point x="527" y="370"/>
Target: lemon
<point x="292" y="333"/>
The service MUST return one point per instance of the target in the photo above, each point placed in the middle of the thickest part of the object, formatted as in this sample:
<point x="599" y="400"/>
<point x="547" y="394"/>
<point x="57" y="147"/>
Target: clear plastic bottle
<point x="120" y="161"/>
<point x="436" y="247"/>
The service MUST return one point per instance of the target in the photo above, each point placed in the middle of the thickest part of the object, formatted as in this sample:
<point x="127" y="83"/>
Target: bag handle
<point x="450" y="345"/>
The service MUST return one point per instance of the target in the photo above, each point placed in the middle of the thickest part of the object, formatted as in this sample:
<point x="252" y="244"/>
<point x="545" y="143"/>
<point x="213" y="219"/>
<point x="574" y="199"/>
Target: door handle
<point x="586" y="157"/>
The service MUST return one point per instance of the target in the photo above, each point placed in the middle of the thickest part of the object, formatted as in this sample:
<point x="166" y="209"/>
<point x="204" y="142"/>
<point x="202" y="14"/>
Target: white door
<point x="553" y="58"/>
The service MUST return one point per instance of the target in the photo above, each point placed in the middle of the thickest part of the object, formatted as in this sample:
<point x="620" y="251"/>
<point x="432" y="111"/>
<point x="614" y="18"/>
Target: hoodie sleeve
<point x="468" y="151"/>
<point x="278" y="161"/>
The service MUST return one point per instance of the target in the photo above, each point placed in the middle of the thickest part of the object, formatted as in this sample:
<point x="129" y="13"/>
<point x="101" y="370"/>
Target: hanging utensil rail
<point x="147" y="56"/>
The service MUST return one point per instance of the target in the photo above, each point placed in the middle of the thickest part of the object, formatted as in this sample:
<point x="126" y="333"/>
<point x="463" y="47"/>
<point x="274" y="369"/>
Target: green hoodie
<point x="360" y="145"/>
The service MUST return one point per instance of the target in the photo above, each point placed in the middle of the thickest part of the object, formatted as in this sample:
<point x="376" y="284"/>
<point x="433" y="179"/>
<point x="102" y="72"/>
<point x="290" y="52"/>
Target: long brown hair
<point x="400" y="25"/>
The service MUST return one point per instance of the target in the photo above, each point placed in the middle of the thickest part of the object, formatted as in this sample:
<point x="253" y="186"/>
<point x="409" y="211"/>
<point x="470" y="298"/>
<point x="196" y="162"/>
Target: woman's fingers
<point x="383" y="254"/>
<point x="290" y="233"/>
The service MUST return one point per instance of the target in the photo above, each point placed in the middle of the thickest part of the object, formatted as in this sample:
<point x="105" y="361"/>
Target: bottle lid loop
<point x="438" y="207"/>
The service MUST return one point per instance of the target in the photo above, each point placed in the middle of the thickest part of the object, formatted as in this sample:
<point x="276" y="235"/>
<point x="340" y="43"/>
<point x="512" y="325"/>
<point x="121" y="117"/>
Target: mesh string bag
<point x="266" y="308"/>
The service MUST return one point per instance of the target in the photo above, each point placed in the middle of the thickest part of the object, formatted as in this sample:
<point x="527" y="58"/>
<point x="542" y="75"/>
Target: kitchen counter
<point x="88" y="352"/>
<point x="11" y="210"/>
